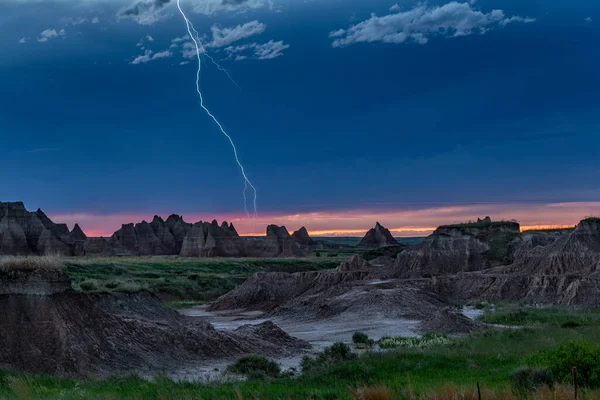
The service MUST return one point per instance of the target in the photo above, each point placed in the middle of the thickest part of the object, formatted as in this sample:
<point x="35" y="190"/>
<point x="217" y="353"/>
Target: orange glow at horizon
<point x="401" y="222"/>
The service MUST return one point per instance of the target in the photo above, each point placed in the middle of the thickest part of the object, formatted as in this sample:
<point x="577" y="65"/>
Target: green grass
<point x="488" y="357"/>
<point x="511" y="314"/>
<point x="183" y="279"/>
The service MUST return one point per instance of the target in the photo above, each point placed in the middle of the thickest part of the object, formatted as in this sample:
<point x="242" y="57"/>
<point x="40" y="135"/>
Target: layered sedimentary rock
<point x="460" y="248"/>
<point x="277" y="243"/>
<point x="27" y="233"/>
<point x="48" y="328"/>
<point x="346" y="292"/>
<point x="211" y="240"/>
<point x="378" y="237"/>
<point x="155" y="238"/>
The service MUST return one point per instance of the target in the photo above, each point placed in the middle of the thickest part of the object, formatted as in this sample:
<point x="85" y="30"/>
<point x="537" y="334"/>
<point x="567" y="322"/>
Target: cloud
<point x="180" y="39"/>
<point x="226" y="36"/>
<point x="149" y="38"/>
<point x="150" y="56"/>
<point x="211" y="7"/>
<point x="184" y="63"/>
<point x="450" y="20"/>
<point x="395" y="7"/>
<point x="144" y="12"/>
<point x="95" y="20"/>
<point x="22" y="40"/>
<point x="48" y="34"/>
<point x="265" y="51"/>
<point x="588" y="19"/>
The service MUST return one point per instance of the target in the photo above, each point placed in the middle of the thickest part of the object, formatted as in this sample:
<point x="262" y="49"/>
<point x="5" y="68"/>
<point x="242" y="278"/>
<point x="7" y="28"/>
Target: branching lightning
<point x="199" y="51"/>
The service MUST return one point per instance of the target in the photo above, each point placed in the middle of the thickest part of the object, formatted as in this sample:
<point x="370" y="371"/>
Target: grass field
<point x="449" y="371"/>
<point x="182" y="279"/>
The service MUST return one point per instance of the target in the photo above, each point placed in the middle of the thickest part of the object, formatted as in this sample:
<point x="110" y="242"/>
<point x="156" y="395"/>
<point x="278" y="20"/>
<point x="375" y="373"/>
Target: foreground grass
<point x="178" y="278"/>
<point x="449" y="371"/>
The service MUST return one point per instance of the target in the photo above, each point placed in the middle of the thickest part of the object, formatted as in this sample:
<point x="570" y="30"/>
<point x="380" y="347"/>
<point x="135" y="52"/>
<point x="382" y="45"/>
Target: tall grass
<point x="30" y="263"/>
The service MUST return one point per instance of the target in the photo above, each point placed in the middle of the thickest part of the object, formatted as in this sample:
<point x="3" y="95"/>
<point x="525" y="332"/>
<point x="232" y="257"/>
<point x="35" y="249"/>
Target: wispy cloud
<point x="151" y="56"/>
<point x="420" y="23"/>
<point x="49" y="34"/>
<point x="226" y="36"/>
<point x="265" y="51"/>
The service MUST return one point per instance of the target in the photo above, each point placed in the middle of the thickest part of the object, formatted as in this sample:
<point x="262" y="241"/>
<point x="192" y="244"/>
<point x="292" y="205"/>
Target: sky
<point x="343" y="113"/>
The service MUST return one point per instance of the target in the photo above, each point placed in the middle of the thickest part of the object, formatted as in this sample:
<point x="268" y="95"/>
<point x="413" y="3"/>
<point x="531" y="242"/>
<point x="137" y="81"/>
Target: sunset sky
<point x="344" y="113"/>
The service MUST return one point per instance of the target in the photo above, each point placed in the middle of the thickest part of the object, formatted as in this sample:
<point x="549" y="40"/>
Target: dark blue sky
<point x="509" y="114"/>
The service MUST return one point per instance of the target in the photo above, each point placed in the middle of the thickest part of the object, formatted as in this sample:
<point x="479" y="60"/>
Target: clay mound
<point x="347" y="292"/>
<point x="378" y="237"/>
<point x="449" y="321"/>
<point x="355" y="263"/>
<point x="60" y="332"/>
<point x="460" y="248"/>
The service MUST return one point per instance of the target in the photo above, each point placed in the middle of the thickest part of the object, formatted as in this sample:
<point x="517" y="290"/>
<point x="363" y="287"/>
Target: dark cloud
<point x="143" y="8"/>
<point x="233" y="2"/>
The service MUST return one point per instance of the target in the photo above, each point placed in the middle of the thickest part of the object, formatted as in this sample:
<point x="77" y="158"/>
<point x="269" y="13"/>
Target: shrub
<point x="88" y="286"/>
<point x="337" y="353"/>
<point x="529" y="379"/>
<point x="111" y="285"/>
<point x="317" y="254"/>
<point x="429" y="339"/>
<point x="362" y="340"/>
<point x="570" y="324"/>
<point x="255" y="366"/>
<point x="575" y="353"/>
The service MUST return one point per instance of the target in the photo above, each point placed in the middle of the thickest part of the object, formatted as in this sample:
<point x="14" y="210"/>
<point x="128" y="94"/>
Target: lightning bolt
<point x="199" y="51"/>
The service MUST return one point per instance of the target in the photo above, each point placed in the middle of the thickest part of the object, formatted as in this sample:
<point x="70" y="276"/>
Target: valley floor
<point x="446" y="371"/>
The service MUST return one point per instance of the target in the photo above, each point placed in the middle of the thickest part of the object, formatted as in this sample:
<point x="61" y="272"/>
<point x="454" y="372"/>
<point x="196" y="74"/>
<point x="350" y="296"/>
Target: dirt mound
<point x="448" y="320"/>
<point x="378" y="237"/>
<point x="355" y="263"/>
<point x="351" y="291"/>
<point x="60" y="332"/>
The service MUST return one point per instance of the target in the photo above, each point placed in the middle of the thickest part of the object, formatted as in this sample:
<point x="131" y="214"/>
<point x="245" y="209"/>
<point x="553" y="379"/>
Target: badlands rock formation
<point x="48" y="328"/>
<point x="27" y="233"/>
<point x="460" y="248"/>
<point x="378" y="237"/>
<point x="23" y="232"/>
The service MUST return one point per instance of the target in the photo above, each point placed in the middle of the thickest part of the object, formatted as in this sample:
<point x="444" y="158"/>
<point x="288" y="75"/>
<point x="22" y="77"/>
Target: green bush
<point x="337" y="353"/>
<point x="575" y="353"/>
<point x="570" y="324"/>
<point x="255" y="366"/>
<point x="88" y="286"/>
<point x="529" y="379"/>
<point x="428" y="340"/>
<point x="362" y="340"/>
